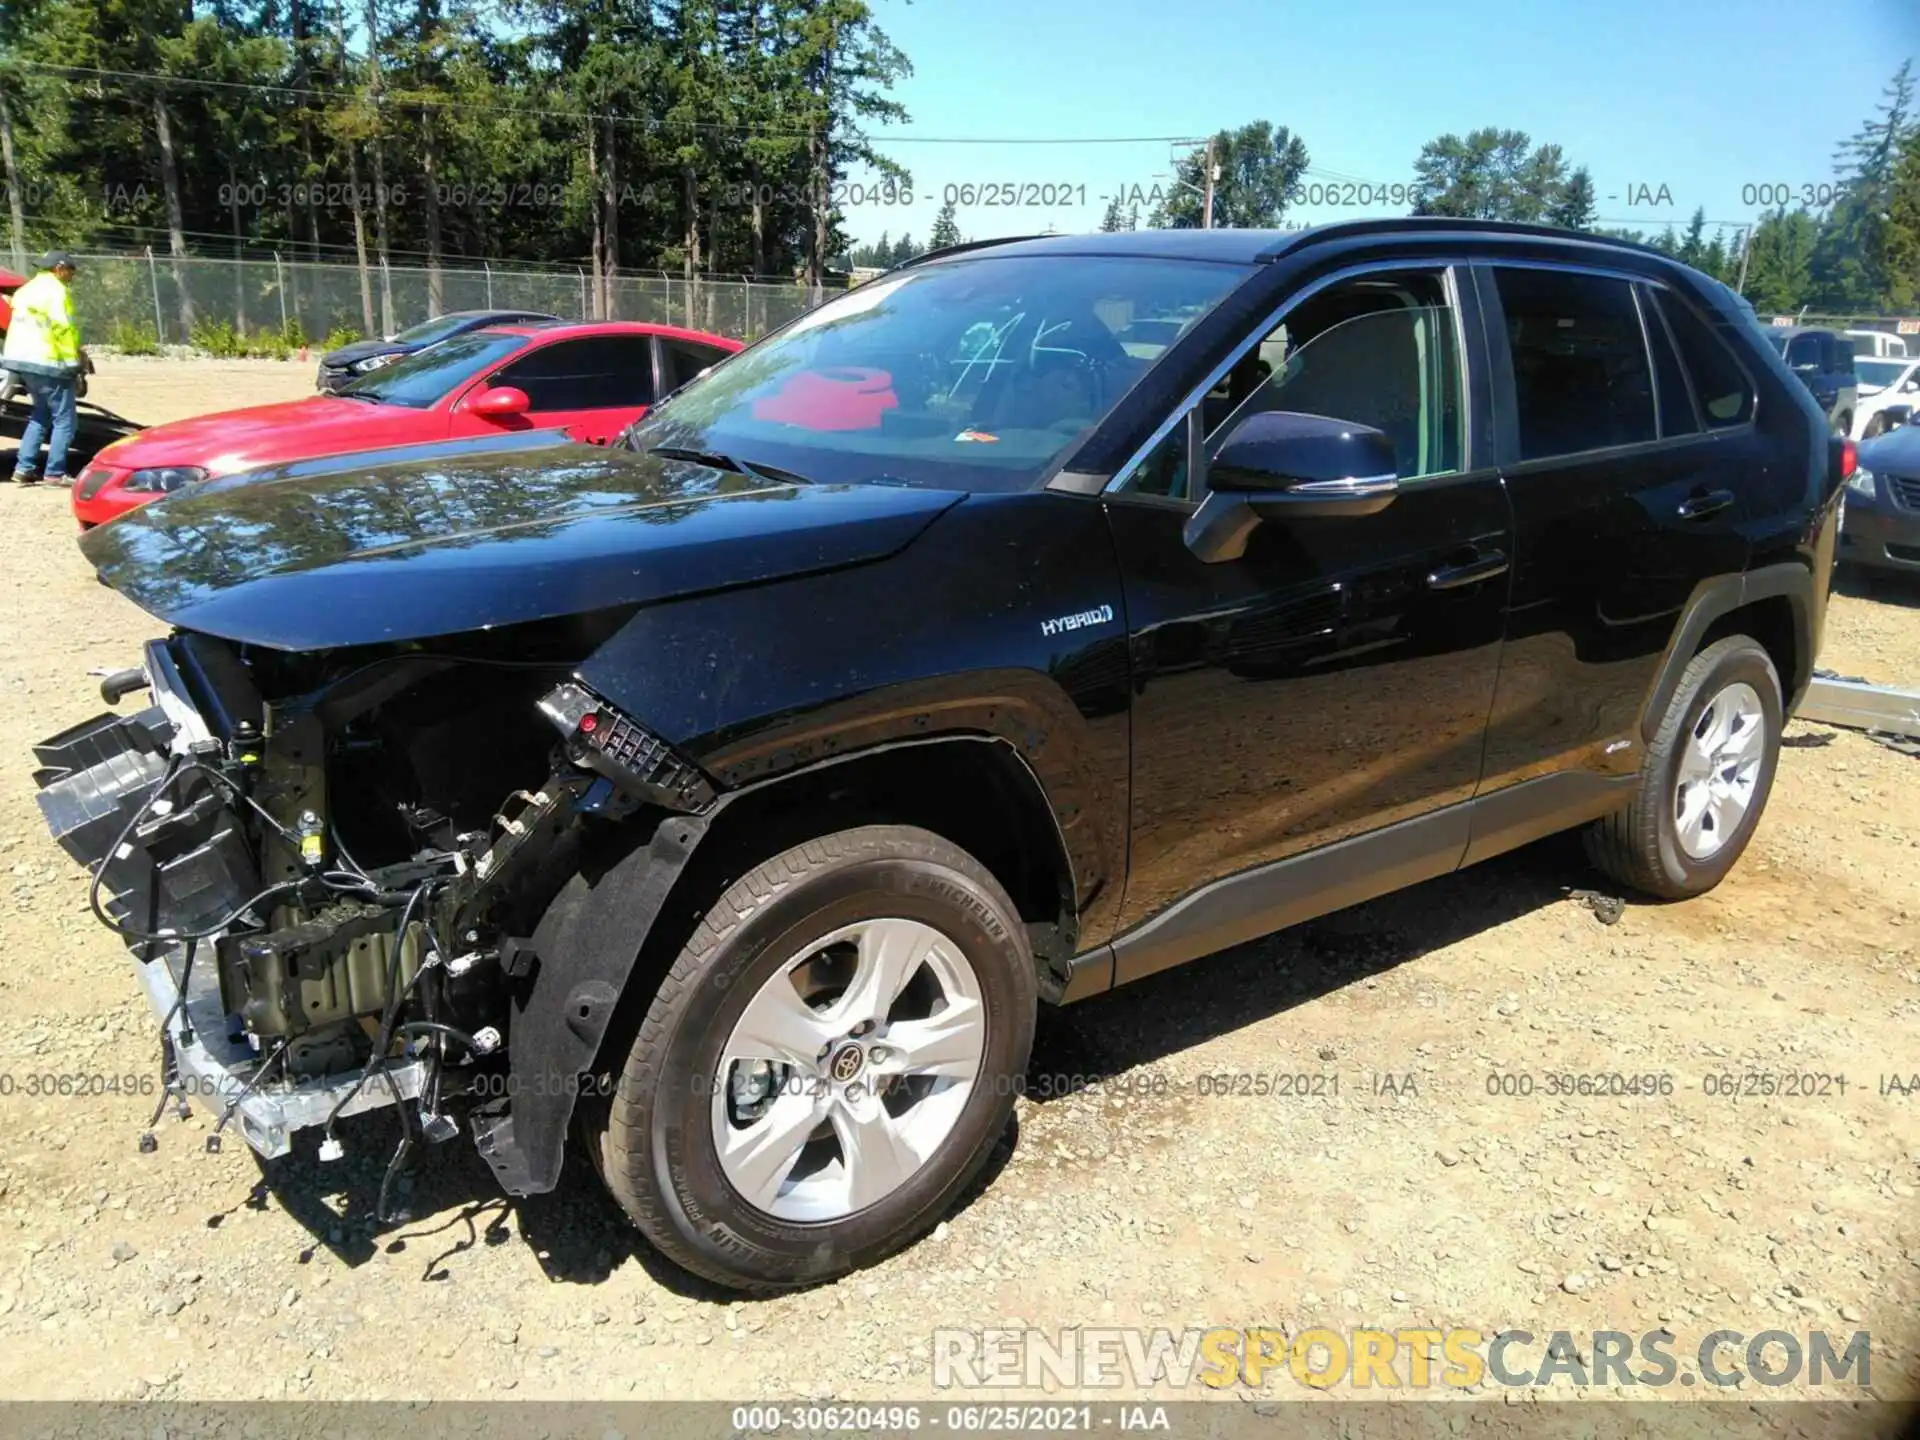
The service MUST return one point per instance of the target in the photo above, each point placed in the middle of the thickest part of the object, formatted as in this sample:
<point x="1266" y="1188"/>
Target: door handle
<point x="1698" y="507"/>
<point x="1469" y="572"/>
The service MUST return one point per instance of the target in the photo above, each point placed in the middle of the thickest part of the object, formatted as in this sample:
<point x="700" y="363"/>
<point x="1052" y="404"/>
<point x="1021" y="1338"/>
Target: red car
<point x="9" y="282"/>
<point x="591" y="380"/>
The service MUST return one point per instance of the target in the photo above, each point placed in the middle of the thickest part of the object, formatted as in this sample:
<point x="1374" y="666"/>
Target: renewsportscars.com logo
<point x="1119" y="1357"/>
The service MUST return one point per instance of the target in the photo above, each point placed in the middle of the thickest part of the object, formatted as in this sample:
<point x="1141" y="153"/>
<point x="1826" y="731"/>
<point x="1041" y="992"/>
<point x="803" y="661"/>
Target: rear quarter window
<point x="1719" y="381"/>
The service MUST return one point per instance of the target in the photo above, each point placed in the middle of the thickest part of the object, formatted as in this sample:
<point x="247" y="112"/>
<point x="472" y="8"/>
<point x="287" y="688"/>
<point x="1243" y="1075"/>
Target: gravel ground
<point x="1416" y="1195"/>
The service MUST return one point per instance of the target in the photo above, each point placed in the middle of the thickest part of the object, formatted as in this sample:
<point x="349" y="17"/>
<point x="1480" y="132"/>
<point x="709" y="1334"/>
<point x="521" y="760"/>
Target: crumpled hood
<point x="417" y="547"/>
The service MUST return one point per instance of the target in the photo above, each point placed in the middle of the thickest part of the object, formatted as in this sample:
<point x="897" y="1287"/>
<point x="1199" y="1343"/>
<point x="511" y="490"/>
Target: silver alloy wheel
<point x="1719" y="770"/>
<point x="848" y="1069"/>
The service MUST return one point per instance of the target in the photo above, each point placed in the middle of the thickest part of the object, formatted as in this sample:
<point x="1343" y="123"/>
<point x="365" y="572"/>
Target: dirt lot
<point x="1430" y="1200"/>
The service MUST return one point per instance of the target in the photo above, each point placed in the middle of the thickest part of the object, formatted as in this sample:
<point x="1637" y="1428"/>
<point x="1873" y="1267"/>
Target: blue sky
<point x="1703" y="97"/>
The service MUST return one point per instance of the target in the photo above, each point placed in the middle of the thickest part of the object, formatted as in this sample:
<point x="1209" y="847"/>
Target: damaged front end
<point x="327" y="865"/>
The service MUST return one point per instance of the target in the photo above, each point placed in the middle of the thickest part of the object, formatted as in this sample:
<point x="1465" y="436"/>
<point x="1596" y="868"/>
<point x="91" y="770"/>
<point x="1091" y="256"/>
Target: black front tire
<point x="1640" y="845"/>
<point x="658" y="1155"/>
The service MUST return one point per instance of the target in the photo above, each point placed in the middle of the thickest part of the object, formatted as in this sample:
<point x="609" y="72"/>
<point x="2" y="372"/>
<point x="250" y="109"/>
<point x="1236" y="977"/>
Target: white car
<point x="1882" y="383"/>
<point x="1878" y="343"/>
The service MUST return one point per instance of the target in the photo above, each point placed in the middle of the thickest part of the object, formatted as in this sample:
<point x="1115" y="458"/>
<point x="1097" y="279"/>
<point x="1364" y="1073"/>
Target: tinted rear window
<point x="1724" y="392"/>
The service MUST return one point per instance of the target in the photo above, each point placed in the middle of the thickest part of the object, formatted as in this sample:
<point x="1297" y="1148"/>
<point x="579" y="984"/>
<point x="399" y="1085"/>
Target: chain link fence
<point x="143" y="300"/>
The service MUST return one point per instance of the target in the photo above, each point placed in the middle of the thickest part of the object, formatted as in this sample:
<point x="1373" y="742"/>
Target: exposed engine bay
<point x="329" y="864"/>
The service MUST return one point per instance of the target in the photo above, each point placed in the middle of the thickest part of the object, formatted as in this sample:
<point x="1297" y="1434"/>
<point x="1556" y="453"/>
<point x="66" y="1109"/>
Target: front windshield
<point x="1880" y="372"/>
<point x="972" y="374"/>
<point x="428" y="331"/>
<point x="1776" y="337"/>
<point x="423" y="377"/>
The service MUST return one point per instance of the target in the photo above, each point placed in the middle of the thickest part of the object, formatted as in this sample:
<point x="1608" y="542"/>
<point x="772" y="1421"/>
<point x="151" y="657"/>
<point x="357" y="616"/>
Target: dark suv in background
<point x="1823" y="359"/>
<point x="1035" y="617"/>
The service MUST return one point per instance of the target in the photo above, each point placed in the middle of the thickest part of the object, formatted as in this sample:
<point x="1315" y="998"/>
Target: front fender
<point x="990" y="623"/>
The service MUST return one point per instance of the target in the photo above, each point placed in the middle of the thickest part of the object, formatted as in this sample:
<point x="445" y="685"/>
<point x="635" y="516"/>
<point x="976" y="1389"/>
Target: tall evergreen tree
<point x="946" y="228"/>
<point x="1845" y="269"/>
<point x="1574" y="207"/>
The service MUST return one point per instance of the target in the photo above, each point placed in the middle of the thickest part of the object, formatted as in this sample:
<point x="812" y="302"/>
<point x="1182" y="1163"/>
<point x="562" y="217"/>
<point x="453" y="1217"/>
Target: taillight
<point x="1849" y="460"/>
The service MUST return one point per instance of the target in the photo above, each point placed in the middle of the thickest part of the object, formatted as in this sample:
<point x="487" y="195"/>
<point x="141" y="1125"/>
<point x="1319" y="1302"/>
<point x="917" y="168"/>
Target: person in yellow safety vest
<point x="43" y="350"/>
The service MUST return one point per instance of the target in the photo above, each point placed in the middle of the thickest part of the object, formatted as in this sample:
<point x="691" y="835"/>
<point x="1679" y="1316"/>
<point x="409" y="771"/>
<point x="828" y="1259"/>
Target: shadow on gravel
<point x="578" y="1233"/>
<point x="580" y="1236"/>
<point x="1888" y="587"/>
<point x="1164" y="1014"/>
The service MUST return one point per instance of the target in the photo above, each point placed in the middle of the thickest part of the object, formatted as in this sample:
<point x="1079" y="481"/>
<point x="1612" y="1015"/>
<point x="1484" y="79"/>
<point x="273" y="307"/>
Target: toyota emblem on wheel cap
<point x="846" y="1063"/>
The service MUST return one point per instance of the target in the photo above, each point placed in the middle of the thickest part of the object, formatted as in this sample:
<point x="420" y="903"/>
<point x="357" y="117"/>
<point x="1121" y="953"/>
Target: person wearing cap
<point x="43" y="349"/>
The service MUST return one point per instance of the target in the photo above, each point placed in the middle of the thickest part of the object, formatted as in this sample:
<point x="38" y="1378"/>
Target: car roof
<point x="1792" y="330"/>
<point x="577" y="328"/>
<point x="11" y="281"/>
<point x="1246" y="247"/>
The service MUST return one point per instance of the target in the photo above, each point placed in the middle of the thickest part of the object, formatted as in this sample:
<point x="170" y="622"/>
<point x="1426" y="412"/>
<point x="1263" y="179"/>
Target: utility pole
<point x="1746" y="253"/>
<point x="1212" y="172"/>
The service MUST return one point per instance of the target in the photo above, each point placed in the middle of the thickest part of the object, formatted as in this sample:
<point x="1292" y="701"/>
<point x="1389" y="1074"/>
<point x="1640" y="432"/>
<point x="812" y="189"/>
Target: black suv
<point x="1823" y="359"/>
<point x="1035" y="617"/>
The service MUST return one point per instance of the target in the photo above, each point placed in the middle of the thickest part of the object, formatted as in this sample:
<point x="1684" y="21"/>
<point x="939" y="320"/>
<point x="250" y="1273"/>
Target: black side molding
<point x="1271" y="897"/>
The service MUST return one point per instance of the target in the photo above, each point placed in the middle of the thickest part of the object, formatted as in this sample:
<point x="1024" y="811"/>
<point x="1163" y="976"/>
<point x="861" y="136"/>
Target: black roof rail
<point x="962" y="248"/>
<point x="1340" y="229"/>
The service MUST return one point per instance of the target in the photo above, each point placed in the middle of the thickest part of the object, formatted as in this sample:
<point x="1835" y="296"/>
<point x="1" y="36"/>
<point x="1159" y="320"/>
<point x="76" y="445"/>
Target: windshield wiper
<point x="714" y="460"/>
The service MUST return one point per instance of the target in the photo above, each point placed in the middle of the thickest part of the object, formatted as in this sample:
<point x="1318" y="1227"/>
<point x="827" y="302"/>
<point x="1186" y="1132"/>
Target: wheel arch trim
<point x="1713" y="600"/>
<point x="589" y="943"/>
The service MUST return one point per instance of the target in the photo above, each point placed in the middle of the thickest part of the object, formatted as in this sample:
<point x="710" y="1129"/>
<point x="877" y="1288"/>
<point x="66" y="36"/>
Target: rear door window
<point x="1581" y="376"/>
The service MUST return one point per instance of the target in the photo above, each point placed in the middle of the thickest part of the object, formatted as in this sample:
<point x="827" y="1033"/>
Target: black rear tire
<point x="1640" y="846"/>
<point x="658" y="1154"/>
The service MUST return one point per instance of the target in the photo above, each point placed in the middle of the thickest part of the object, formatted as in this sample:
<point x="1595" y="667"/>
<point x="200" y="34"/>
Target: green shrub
<point x="341" y="335"/>
<point x="293" y="333"/>
<point x="268" y="345"/>
<point x="219" y="339"/>
<point x="131" y="339"/>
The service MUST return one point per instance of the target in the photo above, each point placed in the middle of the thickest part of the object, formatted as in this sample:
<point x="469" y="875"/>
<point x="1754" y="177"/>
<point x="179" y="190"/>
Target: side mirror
<point x="1280" y="464"/>
<point x="1897" y="415"/>
<point x="500" y="402"/>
